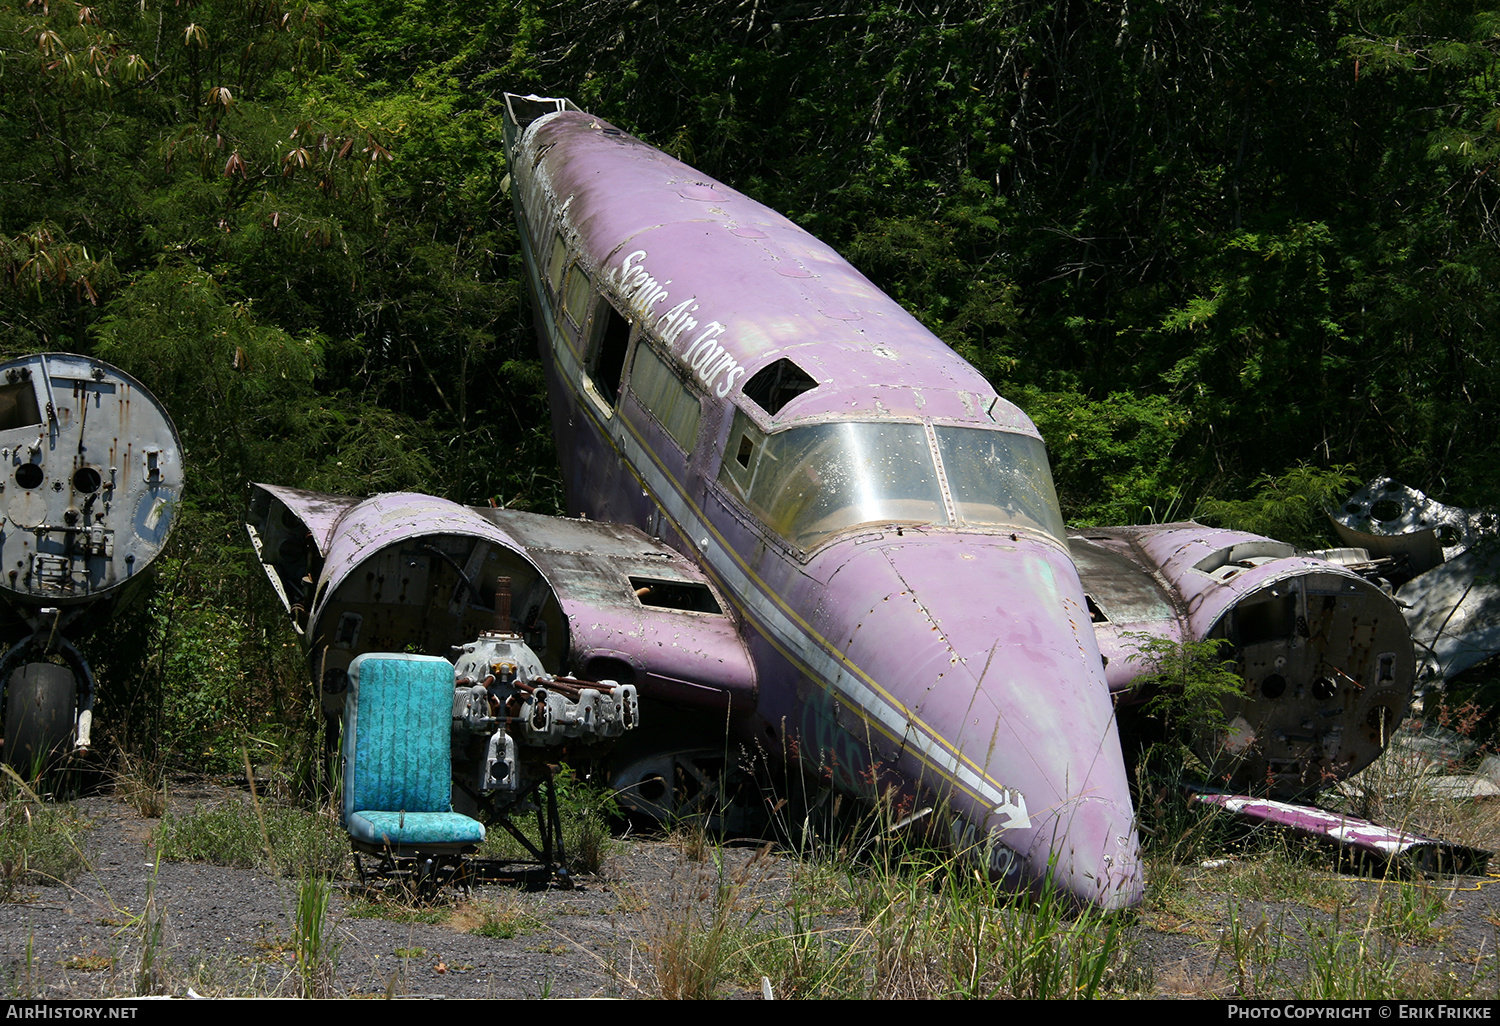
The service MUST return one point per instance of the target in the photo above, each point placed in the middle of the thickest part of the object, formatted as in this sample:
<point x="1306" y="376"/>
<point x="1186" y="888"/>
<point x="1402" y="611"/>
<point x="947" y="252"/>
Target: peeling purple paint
<point x="939" y="644"/>
<point x="1411" y="851"/>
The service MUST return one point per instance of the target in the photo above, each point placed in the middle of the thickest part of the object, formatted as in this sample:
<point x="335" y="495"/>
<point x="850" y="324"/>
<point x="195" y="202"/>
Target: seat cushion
<point x="414" y="829"/>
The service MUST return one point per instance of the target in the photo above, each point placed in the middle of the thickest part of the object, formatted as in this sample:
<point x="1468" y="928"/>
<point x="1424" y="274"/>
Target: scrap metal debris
<point x="1442" y="564"/>
<point x="1411" y="852"/>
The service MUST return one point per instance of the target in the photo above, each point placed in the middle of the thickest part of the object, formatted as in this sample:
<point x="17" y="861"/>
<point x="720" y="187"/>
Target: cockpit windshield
<point x="807" y="483"/>
<point x="813" y="481"/>
<point x="1001" y="479"/>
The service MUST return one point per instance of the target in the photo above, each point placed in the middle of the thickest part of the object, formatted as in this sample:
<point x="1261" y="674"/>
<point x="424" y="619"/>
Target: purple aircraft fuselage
<point x="881" y="521"/>
<point x="803" y="526"/>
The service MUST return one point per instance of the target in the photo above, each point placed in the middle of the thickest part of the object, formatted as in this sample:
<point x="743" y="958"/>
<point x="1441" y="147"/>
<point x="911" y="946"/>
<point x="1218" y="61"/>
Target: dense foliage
<point x="1230" y="256"/>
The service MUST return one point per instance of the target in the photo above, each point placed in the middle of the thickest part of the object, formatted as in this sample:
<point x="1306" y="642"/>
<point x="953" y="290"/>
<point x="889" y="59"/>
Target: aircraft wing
<point x="405" y="572"/>
<point x="1325" y="654"/>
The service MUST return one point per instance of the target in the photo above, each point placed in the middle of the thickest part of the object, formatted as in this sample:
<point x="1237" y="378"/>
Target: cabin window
<point x="557" y="264"/>
<point x="612" y="341"/>
<point x="1000" y="479"/>
<point x="576" y="298"/>
<point x="777" y="384"/>
<point x="665" y="395"/>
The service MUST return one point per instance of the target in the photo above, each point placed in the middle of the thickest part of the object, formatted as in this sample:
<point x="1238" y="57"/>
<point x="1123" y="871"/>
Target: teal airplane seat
<point x="398" y="786"/>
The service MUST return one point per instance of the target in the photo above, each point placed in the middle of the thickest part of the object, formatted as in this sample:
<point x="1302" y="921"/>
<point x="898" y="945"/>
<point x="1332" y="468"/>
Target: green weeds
<point x="1407" y="911"/>
<point x="585" y="810"/>
<point x="39" y="841"/>
<point x="300" y="842"/>
<point x="499" y="918"/>
<point x="141" y="783"/>
<point x="970" y="938"/>
<point x="316" y="950"/>
<point x="386" y="905"/>
<point x="910" y="928"/>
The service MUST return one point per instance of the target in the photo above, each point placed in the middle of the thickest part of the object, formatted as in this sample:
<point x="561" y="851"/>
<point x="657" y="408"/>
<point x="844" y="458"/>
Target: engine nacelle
<point x="1326" y="655"/>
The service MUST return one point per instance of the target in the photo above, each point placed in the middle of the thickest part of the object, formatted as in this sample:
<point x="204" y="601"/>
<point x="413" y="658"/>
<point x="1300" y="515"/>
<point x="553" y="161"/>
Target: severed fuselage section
<point x="553" y="625"/>
<point x="90" y="475"/>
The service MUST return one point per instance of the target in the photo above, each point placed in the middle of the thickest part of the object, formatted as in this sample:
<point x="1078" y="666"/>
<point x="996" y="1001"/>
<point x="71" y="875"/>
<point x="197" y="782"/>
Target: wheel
<point x="38" y="714"/>
<point x="681" y="785"/>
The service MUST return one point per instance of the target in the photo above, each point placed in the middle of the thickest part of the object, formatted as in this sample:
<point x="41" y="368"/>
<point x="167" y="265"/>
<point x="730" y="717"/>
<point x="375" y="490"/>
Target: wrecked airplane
<point x="1442" y="564"/>
<point x="806" y="528"/>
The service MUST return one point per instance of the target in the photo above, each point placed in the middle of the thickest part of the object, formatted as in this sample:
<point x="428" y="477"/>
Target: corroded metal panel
<point x="1411" y="852"/>
<point x="1388" y="518"/>
<point x="92" y="476"/>
<point x="1454" y="610"/>
<point x="311" y="515"/>
<point x="688" y="653"/>
<point x="1445" y="565"/>
<point x="1128" y="597"/>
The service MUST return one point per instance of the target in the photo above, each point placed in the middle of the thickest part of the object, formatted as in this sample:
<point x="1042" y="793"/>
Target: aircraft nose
<point x="983" y="651"/>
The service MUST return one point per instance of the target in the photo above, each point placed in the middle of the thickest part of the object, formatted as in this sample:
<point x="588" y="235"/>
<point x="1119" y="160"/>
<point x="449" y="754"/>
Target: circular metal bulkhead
<point x="90" y="476"/>
<point x="1328" y="666"/>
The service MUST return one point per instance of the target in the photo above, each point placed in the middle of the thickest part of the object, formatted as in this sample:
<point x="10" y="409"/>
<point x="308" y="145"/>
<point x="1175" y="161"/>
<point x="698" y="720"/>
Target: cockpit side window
<point x="741" y="455"/>
<point x="808" y="483"/>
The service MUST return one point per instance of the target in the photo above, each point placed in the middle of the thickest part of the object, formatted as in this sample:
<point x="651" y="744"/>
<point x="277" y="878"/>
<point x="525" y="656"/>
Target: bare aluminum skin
<point x="1448" y="585"/>
<point x="92" y="474"/>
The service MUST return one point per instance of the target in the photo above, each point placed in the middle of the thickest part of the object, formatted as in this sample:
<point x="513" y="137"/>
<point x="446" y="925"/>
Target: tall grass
<point x="898" y="926"/>
<point x="150" y="925"/>
<point x="961" y="935"/>
<point x="313" y="943"/>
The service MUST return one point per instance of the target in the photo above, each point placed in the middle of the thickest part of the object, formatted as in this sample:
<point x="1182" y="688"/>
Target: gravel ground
<point x="226" y="931"/>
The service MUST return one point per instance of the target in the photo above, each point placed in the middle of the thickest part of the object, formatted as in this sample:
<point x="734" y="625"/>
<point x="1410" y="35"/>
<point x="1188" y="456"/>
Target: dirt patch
<point x="1208" y="932"/>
